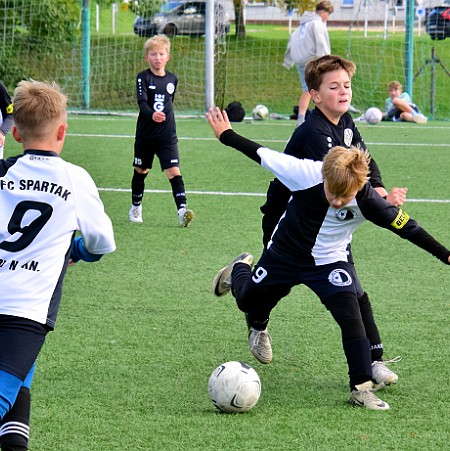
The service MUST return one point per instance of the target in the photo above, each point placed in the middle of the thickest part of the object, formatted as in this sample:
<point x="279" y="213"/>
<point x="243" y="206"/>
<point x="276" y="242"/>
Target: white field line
<point x="224" y="193"/>
<point x="244" y="194"/>
<point x="187" y="138"/>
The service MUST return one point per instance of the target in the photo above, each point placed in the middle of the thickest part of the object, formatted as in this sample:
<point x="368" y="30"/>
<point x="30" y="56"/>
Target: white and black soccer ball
<point x="234" y="387"/>
<point x="260" y="112"/>
<point x="373" y="115"/>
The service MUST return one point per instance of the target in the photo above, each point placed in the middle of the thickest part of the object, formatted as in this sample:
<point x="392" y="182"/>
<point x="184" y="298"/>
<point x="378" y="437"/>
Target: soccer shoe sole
<point x="225" y="273"/>
<point x="381" y="405"/>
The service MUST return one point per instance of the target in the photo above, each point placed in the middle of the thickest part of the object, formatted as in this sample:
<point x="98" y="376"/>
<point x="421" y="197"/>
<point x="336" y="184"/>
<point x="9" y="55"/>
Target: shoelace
<point x="394" y="360"/>
<point x="370" y="396"/>
<point x="382" y="364"/>
<point x="259" y="337"/>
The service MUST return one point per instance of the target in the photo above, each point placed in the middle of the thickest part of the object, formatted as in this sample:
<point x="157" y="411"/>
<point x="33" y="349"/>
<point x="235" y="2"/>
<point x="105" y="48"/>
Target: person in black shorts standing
<point x="329" y="124"/>
<point x="156" y="131"/>
<point x="330" y="199"/>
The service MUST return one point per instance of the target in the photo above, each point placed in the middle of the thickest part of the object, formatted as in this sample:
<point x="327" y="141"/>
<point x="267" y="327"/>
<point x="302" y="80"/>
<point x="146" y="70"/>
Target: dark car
<point x="438" y="21"/>
<point x="187" y="18"/>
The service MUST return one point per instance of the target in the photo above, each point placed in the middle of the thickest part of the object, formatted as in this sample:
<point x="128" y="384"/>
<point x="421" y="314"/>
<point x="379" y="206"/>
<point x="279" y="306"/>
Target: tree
<point x="285" y="5"/>
<point x="146" y="8"/>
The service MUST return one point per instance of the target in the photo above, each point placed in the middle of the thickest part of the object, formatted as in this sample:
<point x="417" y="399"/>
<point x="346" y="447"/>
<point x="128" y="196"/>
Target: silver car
<point x="187" y="18"/>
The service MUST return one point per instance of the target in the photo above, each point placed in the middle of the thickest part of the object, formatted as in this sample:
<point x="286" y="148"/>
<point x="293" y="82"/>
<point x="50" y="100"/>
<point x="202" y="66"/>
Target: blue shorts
<point x="301" y="74"/>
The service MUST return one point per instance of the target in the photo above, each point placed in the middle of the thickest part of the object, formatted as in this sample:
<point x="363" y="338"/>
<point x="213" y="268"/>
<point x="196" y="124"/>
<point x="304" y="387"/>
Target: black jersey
<point x="156" y="93"/>
<point x="317" y="135"/>
<point x="313" y="139"/>
<point x="6" y="110"/>
<point x="312" y="232"/>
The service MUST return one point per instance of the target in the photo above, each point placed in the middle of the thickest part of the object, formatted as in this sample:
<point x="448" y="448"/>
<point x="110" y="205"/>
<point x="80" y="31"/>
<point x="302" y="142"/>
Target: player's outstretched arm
<point x="218" y="120"/>
<point x="226" y="135"/>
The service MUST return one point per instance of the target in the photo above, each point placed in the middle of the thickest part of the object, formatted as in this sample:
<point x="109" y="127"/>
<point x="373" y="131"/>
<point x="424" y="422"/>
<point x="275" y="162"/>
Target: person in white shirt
<point x="46" y="202"/>
<point x="309" y="41"/>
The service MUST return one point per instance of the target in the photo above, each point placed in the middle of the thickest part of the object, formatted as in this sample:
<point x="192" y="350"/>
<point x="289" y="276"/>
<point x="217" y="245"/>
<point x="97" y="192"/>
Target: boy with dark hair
<point x="329" y="125"/>
<point x="155" y="130"/>
<point x="330" y="199"/>
<point x="45" y="201"/>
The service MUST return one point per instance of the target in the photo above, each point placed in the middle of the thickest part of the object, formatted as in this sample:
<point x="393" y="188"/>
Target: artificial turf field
<point x="139" y="333"/>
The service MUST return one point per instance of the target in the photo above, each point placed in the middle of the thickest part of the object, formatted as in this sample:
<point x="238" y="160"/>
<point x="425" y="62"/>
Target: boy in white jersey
<point x="45" y="201"/>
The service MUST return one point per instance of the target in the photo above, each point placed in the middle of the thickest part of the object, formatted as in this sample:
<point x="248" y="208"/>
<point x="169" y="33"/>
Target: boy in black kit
<point x="329" y="125"/>
<point x="330" y="199"/>
<point x="156" y="131"/>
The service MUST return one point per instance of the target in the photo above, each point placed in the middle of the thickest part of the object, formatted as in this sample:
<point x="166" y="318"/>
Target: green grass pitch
<point x="139" y="333"/>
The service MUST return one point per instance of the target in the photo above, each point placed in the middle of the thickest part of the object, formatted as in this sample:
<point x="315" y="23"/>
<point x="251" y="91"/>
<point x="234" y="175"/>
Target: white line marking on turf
<point x="283" y="141"/>
<point x="237" y="194"/>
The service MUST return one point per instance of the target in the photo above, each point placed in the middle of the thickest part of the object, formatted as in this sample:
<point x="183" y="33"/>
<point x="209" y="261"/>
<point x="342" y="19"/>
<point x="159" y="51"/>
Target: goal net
<point x="44" y="39"/>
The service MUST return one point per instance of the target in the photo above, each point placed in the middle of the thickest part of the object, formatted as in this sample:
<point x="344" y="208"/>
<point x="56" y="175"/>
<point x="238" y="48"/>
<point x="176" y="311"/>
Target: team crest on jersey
<point x="348" y="137"/>
<point x="346" y="214"/>
<point x="170" y="88"/>
<point x="340" y="278"/>
<point x="158" y="105"/>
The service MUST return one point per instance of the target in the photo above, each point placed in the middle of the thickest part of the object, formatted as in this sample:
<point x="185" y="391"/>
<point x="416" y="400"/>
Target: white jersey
<point x="43" y="201"/>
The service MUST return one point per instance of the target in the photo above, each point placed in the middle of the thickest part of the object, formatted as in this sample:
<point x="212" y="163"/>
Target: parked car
<point x="187" y="18"/>
<point x="438" y="21"/>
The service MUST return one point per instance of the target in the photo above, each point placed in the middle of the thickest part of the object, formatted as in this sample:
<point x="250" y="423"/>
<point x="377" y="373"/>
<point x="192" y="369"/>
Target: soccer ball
<point x="373" y="115"/>
<point x="260" y="112"/>
<point x="234" y="387"/>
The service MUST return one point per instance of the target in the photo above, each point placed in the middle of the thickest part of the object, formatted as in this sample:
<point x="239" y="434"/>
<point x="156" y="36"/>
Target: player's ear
<point x="61" y="134"/>
<point x="315" y="96"/>
<point x="16" y="134"/>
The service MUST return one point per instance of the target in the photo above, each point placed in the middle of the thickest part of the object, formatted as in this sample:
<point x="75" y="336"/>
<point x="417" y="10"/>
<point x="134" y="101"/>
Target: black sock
<point x="178" y="191"/>
<point x="15" y="424"/>
<point x="137" y="187"/>
<point x="376" y="347"/>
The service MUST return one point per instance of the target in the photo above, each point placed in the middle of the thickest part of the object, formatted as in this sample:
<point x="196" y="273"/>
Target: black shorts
<point x="144" y="154"/>
<point x="21" y="341"/>
<point x="394" y="114"/>
<point x="272" y="280"/>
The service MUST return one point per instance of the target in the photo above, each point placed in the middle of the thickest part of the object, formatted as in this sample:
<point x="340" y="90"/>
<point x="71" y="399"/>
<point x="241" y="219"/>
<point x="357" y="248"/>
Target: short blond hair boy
<point x="38" y="106"/>
<point x="157" y="42"/>
<point x="346" y="170"/>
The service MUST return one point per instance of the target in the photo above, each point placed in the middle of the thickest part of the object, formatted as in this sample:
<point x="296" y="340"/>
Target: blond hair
<point x="318" y="67"/>
<point x="394" y="85"/>
<point x="345" y="170"/>
<point x="38" y="107"/>
<point x="157" y="42"/>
